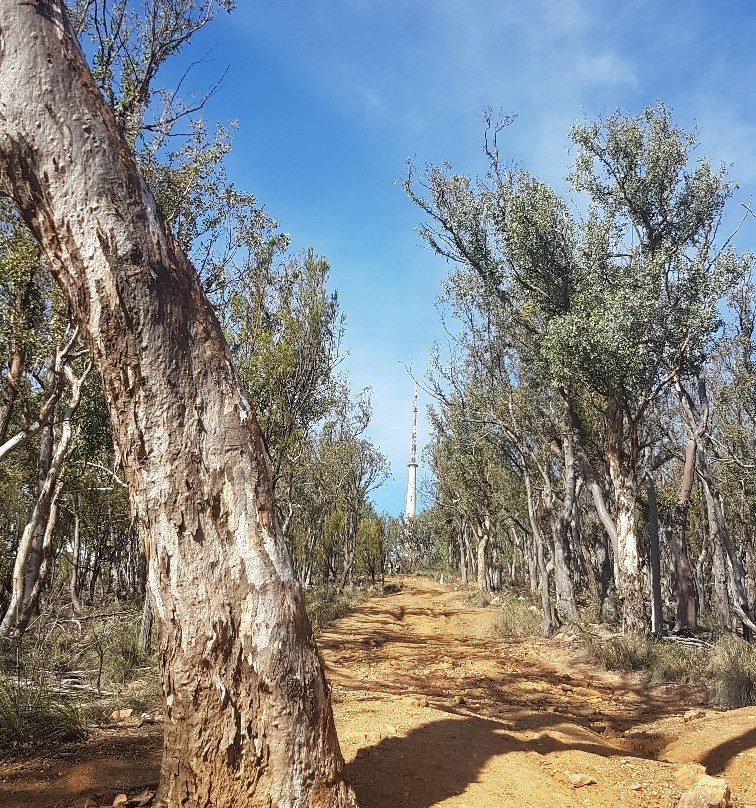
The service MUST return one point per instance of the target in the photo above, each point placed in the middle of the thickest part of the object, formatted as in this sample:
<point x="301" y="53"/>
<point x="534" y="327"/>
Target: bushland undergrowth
<point x="71" y="673"/>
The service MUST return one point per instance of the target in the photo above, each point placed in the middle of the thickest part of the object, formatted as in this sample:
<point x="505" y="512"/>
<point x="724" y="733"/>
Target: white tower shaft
<point x="412" y="466"/>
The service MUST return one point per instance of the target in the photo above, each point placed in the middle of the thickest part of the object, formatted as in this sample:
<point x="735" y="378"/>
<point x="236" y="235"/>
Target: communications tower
<point x="412" y="466"/>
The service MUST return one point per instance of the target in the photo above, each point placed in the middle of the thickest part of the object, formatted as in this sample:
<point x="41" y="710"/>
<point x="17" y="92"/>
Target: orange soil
<point x="434" y="710"/>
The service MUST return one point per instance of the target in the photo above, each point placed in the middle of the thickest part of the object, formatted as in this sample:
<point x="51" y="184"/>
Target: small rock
<point x="687" y="774"/>
<point x="121" y="799"/>
<point x="707" y="792"/>
<point x="635" y="786"/>
<point x="580" y="780"/>
<point x="693" y="715"/>
<point x="458" y="700"/>
<point x="609" y="734"/>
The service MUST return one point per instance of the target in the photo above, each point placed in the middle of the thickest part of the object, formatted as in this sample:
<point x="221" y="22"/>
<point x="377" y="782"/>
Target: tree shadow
<point x="716" y="759"/>
<point x="441" y="759"/>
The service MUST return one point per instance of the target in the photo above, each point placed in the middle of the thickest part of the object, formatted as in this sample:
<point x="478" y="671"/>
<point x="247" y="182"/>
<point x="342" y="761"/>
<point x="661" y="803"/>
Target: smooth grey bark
<point x="248" y="719"/>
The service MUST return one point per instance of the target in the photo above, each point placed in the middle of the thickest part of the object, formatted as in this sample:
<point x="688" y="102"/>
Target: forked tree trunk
<point x="32" y="564"/>
<point x="248" y="719"/>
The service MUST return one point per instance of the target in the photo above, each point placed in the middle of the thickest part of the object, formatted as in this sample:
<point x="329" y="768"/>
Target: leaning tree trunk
<point x="247" y="714"/>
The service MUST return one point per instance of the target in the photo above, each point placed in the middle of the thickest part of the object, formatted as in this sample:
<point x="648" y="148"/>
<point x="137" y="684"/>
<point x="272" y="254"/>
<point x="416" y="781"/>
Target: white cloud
<point x="605" y="69"/>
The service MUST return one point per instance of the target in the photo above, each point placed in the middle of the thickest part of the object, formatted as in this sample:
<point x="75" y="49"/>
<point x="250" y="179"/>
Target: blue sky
<point x="332" y="98"/>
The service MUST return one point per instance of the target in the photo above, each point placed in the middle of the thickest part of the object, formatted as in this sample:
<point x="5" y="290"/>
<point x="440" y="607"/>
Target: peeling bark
<point x="247" y="714"/>
<point x="622" y="470"/>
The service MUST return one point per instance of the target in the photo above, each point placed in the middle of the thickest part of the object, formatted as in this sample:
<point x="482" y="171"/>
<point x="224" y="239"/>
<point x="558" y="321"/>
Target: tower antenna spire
<point x="412" y="465"/>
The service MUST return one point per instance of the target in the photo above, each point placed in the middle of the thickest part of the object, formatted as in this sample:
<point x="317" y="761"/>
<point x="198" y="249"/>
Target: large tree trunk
<point x="623" y="472"/>
<point x="247" y="714"/>
<point x="686" y="619"/>
<point x="565" y="590"/>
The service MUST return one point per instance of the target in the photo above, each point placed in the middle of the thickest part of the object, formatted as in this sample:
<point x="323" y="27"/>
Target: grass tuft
<point x="518" y="617"/>
<point x="31" y="714"/>
<point x="326" y="604"/>
<point x="732" y="673"/>
<point x="727" y="669"/>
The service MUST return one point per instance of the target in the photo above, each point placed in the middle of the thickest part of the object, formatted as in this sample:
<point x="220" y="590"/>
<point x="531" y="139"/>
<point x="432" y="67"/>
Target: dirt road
<point x="434" y="710"/>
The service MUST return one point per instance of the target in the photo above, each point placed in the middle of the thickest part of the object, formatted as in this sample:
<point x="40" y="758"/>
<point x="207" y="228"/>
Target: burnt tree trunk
<point x="247" y="713"/>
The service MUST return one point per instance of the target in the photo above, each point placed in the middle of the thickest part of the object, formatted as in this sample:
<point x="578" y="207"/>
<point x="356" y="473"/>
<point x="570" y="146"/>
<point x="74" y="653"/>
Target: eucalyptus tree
<point x="128" y="44"/>
<point x="285" y="330"/>
<point x="719" y="418"/>
<point x="248" y="717"/>
<point x="612" y="307"/>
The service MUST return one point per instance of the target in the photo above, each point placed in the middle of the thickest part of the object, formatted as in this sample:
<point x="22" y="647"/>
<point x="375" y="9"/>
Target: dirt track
<point x="434" y="710"/>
